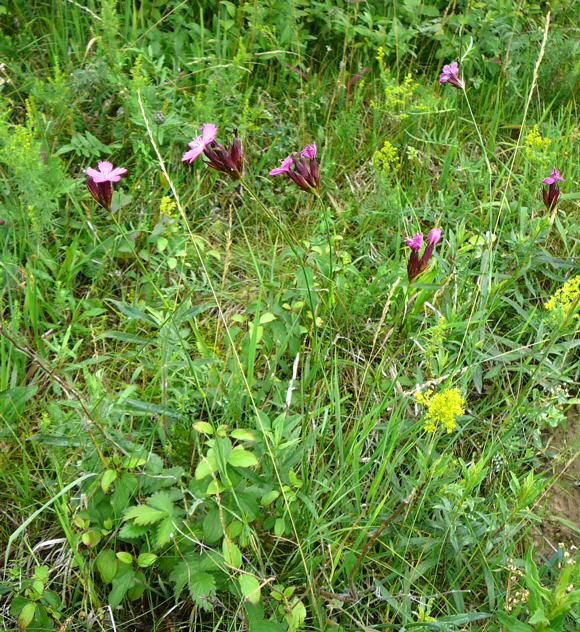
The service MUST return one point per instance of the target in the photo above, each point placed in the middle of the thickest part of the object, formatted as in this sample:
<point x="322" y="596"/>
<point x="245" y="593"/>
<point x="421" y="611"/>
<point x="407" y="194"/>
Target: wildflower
<point x="566" y="297"/>
<point x="229" y="161"/>
<point x="386" y="159"/>
<point x="417" y="264"/>
<point x="356" y="77"/>
<point x="552" y="193"/>
<point x="442" y="408"/>
<point x="450" y="74"/>
<point x="100" y="182"/>
<point x="301" y="167"/>
<point x="167" y="206"/>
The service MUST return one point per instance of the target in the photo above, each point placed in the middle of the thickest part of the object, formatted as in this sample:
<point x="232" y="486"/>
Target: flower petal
<point x="208" y="133"/>
<point x="196" y="148"/>
<point x="284" y="167"/>
<point x="309" y="151"/>
<point x="105" y="166"/>
<point x="414" y="242"/>
<point x="434" y="235"/>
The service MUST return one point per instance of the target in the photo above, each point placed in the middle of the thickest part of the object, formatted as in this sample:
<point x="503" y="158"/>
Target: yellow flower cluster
<point x="396" y="95"/>
<point x="567" y="297"/>
<point x="167" y="206"/>
<point x="442" y="408"/>
<point x="536" y="146"/>
<point x="386" y="159"/>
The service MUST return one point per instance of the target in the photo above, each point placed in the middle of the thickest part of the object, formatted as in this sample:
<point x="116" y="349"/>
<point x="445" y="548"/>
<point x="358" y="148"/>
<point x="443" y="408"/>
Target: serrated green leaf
<point x="146" y="559"/>
<point x="131" y="530"/>
<point x="109" y="477"/>
<point x="201" y="586"/>
<point x="232" y="554"/>
<point x="106" y="562"/>
<point x="239" y="457"/>
<point x="179" y="576"/>
<point x="164" y="500"/>
<point x="165" y="531"/>
<point x="142" y="515"/>
<point x="250" y="587"/>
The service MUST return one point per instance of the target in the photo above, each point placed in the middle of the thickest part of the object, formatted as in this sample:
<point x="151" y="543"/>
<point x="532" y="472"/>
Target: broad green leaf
<point x="215" y="487"/>
<point x="267" y="317"/>
<point x="142" y="514"/>
<point x="269" y="498"/>
<point x="279" y="527"/>
<point x="91" y="538"/>
<point x="232" y="554"/>
<point x="297" y="615"/>
<point x="203" y="426"/>
<point x="26" y="615"/>
<point x="125" y="557"/>
<point x="106" y="562"/>
<point x="202" y="470"/>
<point x="121" y="584"/>
<point x="146" y="559"/>
<point x="212" y="527"/>
<point x="239" y="457"/>
<point x="109" y="477"/>
<point x="250" y="587"/>
<point x="241" y="434"/>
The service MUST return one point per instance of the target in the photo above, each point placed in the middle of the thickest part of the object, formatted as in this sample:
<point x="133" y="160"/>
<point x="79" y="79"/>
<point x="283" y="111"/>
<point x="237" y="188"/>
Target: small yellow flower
<point x="535" y="142"/>
<point x="566" y="297"/>
<point x="442" y="408"/>
<point x="386" y="159"/>
<point x="167" y="206"/>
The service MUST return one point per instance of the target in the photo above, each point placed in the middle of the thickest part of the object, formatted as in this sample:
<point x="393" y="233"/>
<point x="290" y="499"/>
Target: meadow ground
<point x="340" y="396"/>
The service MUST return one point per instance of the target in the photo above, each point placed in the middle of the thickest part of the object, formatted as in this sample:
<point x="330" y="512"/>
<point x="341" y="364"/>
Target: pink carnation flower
<point x="450" y="74"/>
<point x="106" y="172"/>
<point x="552" y="192"/>
<point x="198" y="144"/>
<point x="100" y="182"/>
<point x="301" y="168"/>
<point x="417" y="264"/>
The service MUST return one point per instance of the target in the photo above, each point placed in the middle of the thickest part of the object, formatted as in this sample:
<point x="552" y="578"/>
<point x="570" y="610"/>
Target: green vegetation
<point x="223" y="404"/>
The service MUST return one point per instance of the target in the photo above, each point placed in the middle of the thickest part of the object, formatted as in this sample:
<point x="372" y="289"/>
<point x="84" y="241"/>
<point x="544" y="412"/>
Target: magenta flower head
<point x="229" y="161"/>
<point x="552" y="193"/>
<point x="450" y="74"/>
<point x="100" y="182"/>
<point x="301" y="168"/>
<point x="417" y="264"/>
